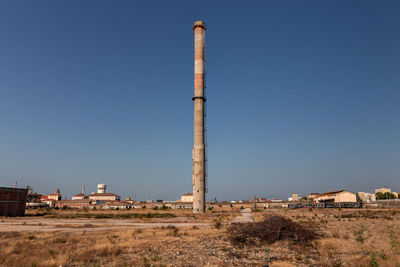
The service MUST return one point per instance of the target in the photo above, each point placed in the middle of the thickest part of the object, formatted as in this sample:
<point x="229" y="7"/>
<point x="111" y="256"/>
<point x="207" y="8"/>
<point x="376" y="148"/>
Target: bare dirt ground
<point x="87" y="225"/>
<point x="362" y="237"/>
<point x="245" y="216"/>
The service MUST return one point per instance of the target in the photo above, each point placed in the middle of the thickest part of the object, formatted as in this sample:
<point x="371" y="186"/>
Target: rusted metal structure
<point x="12" y="201"/>
<point x="199" y="147"/>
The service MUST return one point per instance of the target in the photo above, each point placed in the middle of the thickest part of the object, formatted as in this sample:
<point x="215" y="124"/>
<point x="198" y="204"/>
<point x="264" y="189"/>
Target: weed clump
<point x="359" y="235"/>
<point x="272" y="229"/>
<point x="173" y="230"/>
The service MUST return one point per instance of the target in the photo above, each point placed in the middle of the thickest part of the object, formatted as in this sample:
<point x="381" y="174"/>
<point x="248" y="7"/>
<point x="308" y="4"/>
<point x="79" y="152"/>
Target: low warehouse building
<point x="12" y="201"/>
<point x="336" y="197"/>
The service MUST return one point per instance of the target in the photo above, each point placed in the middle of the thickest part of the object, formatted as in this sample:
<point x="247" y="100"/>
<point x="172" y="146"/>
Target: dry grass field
<point x="365" y="237"/>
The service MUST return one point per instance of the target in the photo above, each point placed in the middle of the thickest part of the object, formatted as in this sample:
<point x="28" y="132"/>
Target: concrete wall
<point x="12" y="201"/>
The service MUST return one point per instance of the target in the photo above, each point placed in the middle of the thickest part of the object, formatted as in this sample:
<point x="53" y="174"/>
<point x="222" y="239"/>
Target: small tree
<point x="386" y="195"/>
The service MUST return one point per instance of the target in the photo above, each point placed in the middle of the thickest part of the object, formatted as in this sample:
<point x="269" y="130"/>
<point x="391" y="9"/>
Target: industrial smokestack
<point x="198" y="153"/>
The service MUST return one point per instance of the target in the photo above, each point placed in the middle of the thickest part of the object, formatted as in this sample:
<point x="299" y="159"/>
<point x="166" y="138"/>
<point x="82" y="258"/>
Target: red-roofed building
<point x="56" y="196"/>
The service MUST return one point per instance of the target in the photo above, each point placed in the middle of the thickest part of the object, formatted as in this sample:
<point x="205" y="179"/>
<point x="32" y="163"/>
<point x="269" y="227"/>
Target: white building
<point x="366" y="197"/>
<point x="188" y="197"/>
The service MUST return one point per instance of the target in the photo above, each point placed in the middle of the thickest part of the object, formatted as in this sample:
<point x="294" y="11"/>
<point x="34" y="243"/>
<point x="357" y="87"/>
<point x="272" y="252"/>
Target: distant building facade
<point x="12" y="201"/>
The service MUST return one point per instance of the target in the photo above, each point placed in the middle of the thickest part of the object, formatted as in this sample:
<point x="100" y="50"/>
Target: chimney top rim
<point x="199" y="23"/>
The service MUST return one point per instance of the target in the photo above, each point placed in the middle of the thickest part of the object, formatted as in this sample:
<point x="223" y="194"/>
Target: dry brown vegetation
<point x="272" y="229"/>
<point x="136" y="214"/>
<point x="349" y="238"/>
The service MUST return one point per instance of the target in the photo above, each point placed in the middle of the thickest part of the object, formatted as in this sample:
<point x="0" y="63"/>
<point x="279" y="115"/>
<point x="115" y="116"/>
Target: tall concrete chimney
<point x="198" y="153"/>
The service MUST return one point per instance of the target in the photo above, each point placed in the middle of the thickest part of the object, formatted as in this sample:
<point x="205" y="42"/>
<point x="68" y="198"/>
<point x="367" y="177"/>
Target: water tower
<point x="101" y="188"/>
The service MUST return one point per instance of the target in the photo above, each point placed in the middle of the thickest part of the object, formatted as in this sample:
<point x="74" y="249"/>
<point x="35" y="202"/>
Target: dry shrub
<point x="173" y="230"/>
<point x="335" y="234"/>
<point x="109" y="252"/>
<point x="272" y="229"/>
<point x="329" y="245"/>
<point x="93" y="255"/>
<point x="218" y="225"/>
<point x="9" y="234"/>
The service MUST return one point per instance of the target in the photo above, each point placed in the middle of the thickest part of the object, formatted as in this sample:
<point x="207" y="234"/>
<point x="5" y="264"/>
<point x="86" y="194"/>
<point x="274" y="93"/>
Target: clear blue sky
<point x="303" y="96"/>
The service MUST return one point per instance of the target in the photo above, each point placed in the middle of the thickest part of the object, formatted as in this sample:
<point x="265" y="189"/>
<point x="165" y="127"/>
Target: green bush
<point x="386" y="195"/>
